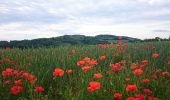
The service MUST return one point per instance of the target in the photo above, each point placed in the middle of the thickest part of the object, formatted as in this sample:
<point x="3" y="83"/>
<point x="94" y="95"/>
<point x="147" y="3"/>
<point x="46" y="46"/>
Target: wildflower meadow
<point x="115" y="71"/>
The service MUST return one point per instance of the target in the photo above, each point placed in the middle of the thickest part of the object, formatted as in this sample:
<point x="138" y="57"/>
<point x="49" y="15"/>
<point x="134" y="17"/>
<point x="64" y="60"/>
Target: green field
<point x="124" y="65"/>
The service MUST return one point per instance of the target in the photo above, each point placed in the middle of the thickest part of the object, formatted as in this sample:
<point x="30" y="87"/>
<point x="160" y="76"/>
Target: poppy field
<point x="116" y="71"/>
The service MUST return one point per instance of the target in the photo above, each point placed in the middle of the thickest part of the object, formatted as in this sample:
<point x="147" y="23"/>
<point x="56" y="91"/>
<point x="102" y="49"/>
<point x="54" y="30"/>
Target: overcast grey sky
<point x="29" y="19"/>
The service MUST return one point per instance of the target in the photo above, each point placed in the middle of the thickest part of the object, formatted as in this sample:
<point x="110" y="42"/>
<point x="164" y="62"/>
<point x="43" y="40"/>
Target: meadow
<point x="116" y="71"/>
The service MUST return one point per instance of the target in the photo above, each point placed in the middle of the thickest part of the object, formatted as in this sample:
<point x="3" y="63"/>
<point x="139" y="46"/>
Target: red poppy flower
<point x="58" y="72"/>
<point x="102" y="45"/>
<point x="155" y="55"/>
<point x="116" y="55"/>
<point x="17" y="82"/>
<point x="39" y="89"/>
<point x="80" y="63"/>
<point x="4" y="60"/>
<point x="93" y="86"/>
<point x="90" y="89"/>
<point x="69" y="71"/>
<point x="72" y="51"/>
<point x="169" y="62"/>
<point x="132" y="87"/>
<point x="147" y="91"/>
<point x="32" y="78"/>
<point x="119" y="37"/>
<point x="7" y="82"/>
<point x="102" y="57"/>
<point x="86" y="59"/>
<point x="127" y="79"/>
<point x="144" y="62"/>
<point x="25" y="75"/>
<point x="117" y="67"/>
<point x="140" y="97"/>
<point x="134" y="66"/>
<point x="16" y="73"/>
<point x="7" y="72"/>
<point x="145" y="80"/>
<point x="165" y="74"/>
<point x="1" y="53"/>
<point x="29" y="77"/>
<point x="154" y="76"/>
<point x="98" y="75"/>
<point x="117" y="96"/>
<point x="138" y="72"/>
<point x="16" y="89"/>
<point x="92" y="62"/>
<point x="125" y="44"/>
<point x="86" y="68"/>
<point x="131" y="98"/>
<point x="152" y="98"/>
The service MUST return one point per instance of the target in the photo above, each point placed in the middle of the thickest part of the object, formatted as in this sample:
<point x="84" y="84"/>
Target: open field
<point x="138" y="71"/>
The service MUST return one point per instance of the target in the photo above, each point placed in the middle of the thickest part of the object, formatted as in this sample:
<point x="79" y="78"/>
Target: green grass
<point x="74" y="86"/>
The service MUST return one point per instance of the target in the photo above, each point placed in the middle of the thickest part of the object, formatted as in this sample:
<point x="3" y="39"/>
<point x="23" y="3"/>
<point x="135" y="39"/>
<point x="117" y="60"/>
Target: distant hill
<point x="65" y="40"/>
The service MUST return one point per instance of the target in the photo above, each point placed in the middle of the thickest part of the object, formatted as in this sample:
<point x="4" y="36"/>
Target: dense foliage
<point x="64" y="40"/>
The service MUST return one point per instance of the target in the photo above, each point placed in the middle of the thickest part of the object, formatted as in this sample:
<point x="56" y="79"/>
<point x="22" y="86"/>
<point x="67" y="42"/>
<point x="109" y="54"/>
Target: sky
<point x="31" y="19"/>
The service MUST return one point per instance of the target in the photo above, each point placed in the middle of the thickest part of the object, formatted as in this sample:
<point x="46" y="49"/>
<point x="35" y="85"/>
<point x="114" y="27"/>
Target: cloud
<point x="22" y="19"/>
<point x="153" y="2"/>
<point x="162" y="30"/>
